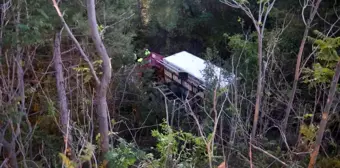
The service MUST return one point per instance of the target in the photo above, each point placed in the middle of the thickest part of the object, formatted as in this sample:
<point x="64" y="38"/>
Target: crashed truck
<point x="182" y="75"/>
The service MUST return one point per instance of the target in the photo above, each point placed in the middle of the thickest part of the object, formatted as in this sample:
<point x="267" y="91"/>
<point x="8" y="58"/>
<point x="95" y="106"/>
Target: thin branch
<point x="85" y="57"/>
<point x="4" y="163"/>
<point x="67" y="51"/>
<point x="270" y="155"/>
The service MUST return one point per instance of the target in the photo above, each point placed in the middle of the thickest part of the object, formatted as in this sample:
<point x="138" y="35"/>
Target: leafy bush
<point x="179" y="149"/>
<point x="329" y="162"/>
<point x="124" y="155"/>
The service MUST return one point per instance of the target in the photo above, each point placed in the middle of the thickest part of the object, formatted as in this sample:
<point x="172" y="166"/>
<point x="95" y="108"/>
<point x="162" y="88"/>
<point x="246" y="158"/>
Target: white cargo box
<point x="195" y="67"/>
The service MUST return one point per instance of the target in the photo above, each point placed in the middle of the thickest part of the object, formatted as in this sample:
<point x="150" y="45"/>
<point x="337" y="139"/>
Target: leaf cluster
<point x="178" y="148"/>
<point x="327" y="57"/>
<point x="124" y="155"/>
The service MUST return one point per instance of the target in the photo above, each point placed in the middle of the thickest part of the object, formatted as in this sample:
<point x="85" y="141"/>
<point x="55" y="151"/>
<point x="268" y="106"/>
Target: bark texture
<point x="62" y="98"/>
<point x="63" y="106"/>
<point x="102" y="108"/>
<point x="259" y="87"/>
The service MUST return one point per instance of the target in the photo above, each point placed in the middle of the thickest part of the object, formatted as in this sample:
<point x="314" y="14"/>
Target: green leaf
<point x="307" y="116"/>
<point x="87" y="78"/>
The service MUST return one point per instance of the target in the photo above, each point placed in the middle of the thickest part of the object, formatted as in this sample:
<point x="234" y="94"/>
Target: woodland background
<point x="70" y="95"/>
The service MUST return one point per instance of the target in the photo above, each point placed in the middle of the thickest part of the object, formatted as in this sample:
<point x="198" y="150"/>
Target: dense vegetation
<point x="71" y="96"/>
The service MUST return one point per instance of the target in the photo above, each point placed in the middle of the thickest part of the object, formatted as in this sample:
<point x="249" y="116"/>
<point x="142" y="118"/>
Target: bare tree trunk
<point x="298" y="63"/>
<point x="102" y="108"/>
<point x="323" y="123"/>
<point x="259" y="86"/>
<point x="63" y="106"/>
<point x="20" y="71"/>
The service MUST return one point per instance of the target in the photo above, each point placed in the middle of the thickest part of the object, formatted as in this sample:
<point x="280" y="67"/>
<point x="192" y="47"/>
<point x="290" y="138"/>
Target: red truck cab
<point x="153" y="61"/>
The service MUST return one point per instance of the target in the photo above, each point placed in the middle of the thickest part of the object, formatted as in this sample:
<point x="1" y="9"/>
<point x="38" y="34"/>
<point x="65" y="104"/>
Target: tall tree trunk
<point x="323" y="123"/>
<point x="20" y="71"/>
<point x="259" y="85"/>
<point x="298" y="64"/>
<point x="102" y="108"/>
<point x="63" y="106"/>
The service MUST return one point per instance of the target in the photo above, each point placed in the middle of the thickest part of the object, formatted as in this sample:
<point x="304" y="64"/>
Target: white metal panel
<point x="195" y="66"/>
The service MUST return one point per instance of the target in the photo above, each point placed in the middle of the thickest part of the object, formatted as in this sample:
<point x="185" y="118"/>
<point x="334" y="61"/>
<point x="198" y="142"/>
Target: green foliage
<point x="67" y="162"/>
<point x="244" y="52"/>
<point x="209" y="72"/>
<point x="327" y="56"/>
<point x="51" y="111"/>
<point x="117" y="21"/>
<point x="166" y="13"/>
<point x="87" y="152"/>
<point x="85" y="156"/>
<point x="124" y="155"/>
<point x="38" y="24"/>
<point x="179" y="149"/>
<point x="308" y="132"/>
<point x="306" y="116"/>
<point x="318" y="74"/>
<point x="238" y="44"/>
<point x="84" y="70"/>
<point x="328" y="162"/>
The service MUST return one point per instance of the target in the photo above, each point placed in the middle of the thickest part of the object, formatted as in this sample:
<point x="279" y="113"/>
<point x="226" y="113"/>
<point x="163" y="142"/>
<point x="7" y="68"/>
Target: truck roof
<point x="196" y="66"/>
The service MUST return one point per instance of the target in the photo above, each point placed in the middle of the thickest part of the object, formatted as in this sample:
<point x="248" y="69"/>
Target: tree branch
<point x="270" y="155"/>
<point x="85" y="57"/>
